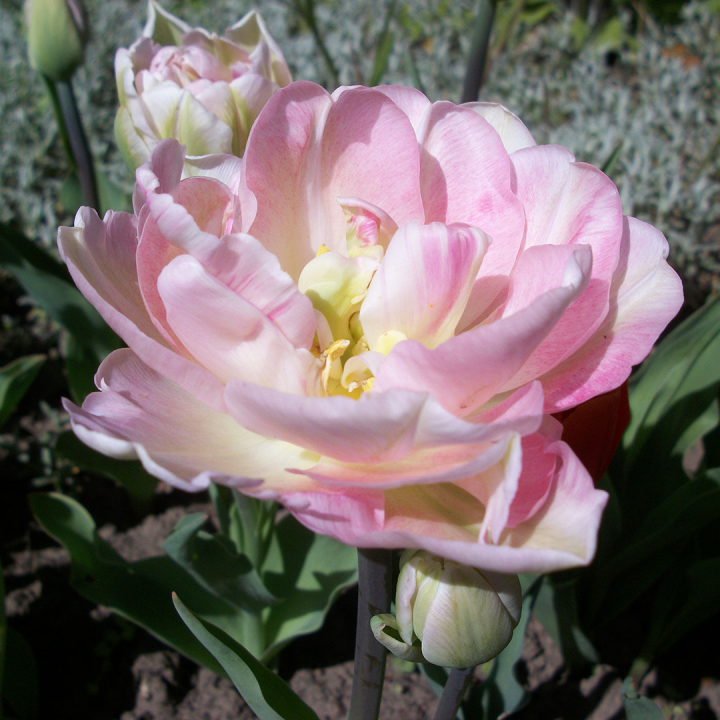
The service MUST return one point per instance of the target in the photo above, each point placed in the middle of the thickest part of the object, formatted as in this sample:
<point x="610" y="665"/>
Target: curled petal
<point x="424" y="282"/>
<point x="378" y="428"/>
<point x="445" y="519"/>
<point x="141" y="414"/>
<point x="467" y="370"/>
<point x="100" y="258"/>
<point x="646" y="294"/>
<point x="228" y="335"/>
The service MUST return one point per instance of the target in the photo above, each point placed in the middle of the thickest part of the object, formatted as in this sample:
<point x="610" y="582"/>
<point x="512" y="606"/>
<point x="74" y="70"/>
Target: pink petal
<point x="466" y="177"/>
<point x="539" y="469"/>
<point x="446" y="519"/>
<point x="141" y="414"/>
<point x="467" y="370"/>
<point x="378" y="428"/>
<point x="153" y="254"/>
<point x="102" y="264"/>
<point x="280" y="173"/>
<point x="540" y="269"/>
<point x="228" y="335"/>
<point x="386" y="226"/>
<point x="225" y="168"/>
<point x="646" y="294"/>
<point x="194" y="215"/>
<point x="569" y="203"/>
<point x="192" y="218"/>
<point x="423" y="283"/>
<point x="412" y="102"/>
<point x="369" y="150"/>
<point x="242" y="264"/>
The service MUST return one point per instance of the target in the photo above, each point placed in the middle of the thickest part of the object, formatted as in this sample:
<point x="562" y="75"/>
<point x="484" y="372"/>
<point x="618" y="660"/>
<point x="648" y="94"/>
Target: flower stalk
<point x="74" y="138"/>
<point x="375" y="587"/>
<point x="477" y="61"/>
<point x="453" y="693"/>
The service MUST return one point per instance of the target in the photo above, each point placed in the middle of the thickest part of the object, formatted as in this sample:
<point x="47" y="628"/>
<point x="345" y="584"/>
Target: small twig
<point x="478" y="51"/>
<point x="375" y="585"/>
<point x="453" y="693"/>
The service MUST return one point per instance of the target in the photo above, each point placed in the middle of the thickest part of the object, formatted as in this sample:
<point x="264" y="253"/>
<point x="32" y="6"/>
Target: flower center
<point x="337" y="285"/>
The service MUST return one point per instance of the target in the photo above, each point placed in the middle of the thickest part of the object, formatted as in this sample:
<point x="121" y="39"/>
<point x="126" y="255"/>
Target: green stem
<point x="74" y="137"/>
<point x="375" y="585"/>
<point x="478" y="51"/>
<point x="453" y="693"/>
<point x="307" y="10"/>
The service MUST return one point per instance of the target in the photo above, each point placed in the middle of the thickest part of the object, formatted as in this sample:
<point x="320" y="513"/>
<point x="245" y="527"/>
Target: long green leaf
<point x="686" y="511"/>
<point x="215" y="564"/>
<point x="307" y="571"/>
<point x="268" y="695"/>
<point x="700" y="594"/>
<point x="15" y="380"/>
<point x="685" y="365"/>
<point x="140" y="591"/>
<point x="49" y="285"/>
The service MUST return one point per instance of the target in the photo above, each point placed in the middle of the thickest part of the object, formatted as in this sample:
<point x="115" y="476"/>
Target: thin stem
<point x="70" y="119"/>
<point x="478" y="51"/>
<point x="375" y="585"/>
<point x="307" y="10"/>
<point x="453" y="693"/>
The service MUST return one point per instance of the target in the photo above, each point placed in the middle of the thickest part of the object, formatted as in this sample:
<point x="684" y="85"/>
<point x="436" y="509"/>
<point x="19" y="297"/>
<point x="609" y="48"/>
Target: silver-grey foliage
<point x="661" y="98"/>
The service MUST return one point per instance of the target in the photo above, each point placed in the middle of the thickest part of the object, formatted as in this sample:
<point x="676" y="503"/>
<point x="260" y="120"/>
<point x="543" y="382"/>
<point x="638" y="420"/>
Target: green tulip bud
<point x="56" y="34"/>
<point x="449" y="614"/>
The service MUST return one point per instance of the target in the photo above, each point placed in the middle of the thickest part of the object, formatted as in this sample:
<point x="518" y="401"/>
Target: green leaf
<point x="129" y="473"/>
<point x="3" y="634"/>
<point x="557" y="610"/>
<point x="647" y="554"/>
<point x="15" y="380"/>
<point x="685" y="366"/>
<point x="637" y="707"/>
<point x="15" y="247"/>
<point x="269" y="697"/>
<point x="307" y="571"/>
<point x="49" y="285"/>
<point x="140" y="591"/>
<point x="686" y="511"/>
<point x="699" y="591"/>
<point x="215" y="565"/>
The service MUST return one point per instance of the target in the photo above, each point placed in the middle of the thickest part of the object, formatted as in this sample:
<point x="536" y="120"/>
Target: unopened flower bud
<point x="448" y="614"/>
<point x="56" y="34"/>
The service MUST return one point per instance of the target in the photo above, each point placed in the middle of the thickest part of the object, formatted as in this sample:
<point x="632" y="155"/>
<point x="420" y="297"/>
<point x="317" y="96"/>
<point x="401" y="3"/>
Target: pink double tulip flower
<point x="370" y="318"/>
<point x="197" y="87"/>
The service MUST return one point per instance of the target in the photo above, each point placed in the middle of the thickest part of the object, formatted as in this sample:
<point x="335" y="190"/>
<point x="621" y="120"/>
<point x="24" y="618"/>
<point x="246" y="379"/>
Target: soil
<point x="94" y="664"/>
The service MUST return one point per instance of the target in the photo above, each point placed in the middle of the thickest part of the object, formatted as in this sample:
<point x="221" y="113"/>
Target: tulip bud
<point x="448" y="614"/>
<point x="56" y="34"/>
